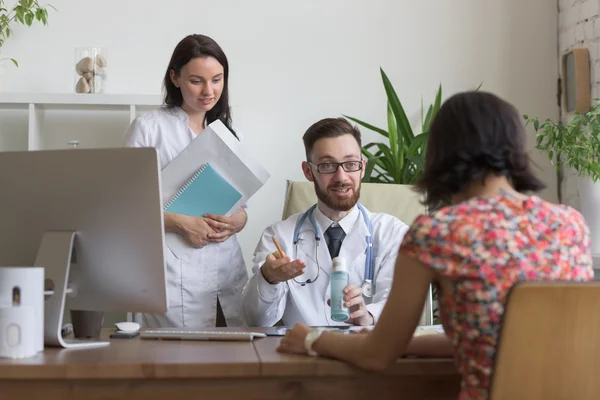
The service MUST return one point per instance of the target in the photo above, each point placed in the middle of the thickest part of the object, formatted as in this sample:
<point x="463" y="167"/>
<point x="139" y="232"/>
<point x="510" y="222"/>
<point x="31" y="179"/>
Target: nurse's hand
<point x="195" y="230"/>
<point x="226" y="226"/>
<point x="354" y="300"/>
<point x="277" y="270"/>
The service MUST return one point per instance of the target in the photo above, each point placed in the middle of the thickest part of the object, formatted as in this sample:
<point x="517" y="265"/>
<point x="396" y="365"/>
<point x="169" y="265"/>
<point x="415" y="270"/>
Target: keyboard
<point x="185" y="334"/>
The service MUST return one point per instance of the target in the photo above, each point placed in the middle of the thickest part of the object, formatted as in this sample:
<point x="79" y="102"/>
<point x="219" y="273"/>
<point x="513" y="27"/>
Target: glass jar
<point x="90" y="69"/>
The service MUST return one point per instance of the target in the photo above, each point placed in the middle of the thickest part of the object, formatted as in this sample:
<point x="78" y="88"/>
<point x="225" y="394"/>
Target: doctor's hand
<point x="195" y="230"/>
<point x="354" y="300"/>
<point x="226" y="226"/>
<point x="277" y="270"/>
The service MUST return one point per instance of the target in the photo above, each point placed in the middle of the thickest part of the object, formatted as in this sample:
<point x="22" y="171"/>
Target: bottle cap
<point x="339" y="264"/>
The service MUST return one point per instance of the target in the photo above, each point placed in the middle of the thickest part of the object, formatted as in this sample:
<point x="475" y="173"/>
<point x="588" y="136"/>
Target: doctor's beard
<point x="333" y="202"/>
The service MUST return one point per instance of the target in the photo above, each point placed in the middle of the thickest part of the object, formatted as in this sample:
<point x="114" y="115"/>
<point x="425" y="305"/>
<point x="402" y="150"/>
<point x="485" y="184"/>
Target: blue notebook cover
<point x="206" y="192"/>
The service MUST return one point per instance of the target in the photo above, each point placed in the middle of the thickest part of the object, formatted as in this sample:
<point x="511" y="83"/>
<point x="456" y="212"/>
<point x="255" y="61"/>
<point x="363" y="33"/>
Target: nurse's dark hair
<point x="328" y="128"/>
<point x="474" y="134"/>
<point x="190" y="47"/>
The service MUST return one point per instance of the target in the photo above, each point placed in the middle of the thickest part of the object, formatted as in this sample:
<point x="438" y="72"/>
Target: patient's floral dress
<point x="485" y="246"/>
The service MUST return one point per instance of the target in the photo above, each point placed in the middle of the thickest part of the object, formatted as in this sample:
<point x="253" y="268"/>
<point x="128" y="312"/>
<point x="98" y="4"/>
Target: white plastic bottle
<point x="339" y="280"/>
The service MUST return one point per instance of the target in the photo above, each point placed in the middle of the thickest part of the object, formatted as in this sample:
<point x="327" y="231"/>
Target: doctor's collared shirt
<point x="264" y="304"/>
<point x="323" y="222"/>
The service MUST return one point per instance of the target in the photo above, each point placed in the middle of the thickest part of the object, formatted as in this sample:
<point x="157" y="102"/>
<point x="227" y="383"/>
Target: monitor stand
<point x="54" y="254"/>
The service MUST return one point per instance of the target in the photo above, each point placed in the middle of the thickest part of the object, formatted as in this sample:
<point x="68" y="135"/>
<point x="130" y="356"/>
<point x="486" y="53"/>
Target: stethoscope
<point x="367" y="286"/>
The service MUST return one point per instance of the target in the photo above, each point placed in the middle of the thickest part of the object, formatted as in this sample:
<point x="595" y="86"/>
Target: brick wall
<point x="579" y="26"/>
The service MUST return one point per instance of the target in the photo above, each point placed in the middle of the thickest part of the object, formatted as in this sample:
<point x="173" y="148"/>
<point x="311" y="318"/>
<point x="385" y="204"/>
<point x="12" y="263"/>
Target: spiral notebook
<point x="206" y="192"/>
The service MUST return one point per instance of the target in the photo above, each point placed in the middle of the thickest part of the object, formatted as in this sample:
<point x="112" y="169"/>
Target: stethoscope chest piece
<point x="367" y="289"/>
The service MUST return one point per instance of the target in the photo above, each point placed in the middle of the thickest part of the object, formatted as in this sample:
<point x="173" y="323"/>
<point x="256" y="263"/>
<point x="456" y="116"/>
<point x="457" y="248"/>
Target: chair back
<point x="549" y="346"/>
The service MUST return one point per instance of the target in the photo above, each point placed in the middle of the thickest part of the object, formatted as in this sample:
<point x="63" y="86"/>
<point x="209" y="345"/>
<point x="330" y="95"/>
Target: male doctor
<point x="296" y="288"/>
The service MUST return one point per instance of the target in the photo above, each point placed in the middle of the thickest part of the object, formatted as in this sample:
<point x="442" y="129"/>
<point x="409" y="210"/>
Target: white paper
<point x="428" y="330"/>
<point x="217" y="146"/>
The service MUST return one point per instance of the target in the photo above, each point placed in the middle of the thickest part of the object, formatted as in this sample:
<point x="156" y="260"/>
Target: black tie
<point x="335" y="234"/>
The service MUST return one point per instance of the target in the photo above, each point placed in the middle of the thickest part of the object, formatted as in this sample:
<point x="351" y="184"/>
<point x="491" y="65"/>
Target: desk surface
<point x="136" y="358"/>
<point x="163" y="359"/>
<point x="156" y="369"/>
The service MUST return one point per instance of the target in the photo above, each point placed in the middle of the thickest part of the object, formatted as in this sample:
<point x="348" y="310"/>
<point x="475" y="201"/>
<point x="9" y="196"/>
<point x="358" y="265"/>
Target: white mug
<point x="17" y="332"/>
<point x="28" y="284"/>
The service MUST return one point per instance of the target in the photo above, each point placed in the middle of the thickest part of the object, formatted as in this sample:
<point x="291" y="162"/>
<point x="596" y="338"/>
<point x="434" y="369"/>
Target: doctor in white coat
<point x="205" y="282"/>
<point x="296" y="288"/>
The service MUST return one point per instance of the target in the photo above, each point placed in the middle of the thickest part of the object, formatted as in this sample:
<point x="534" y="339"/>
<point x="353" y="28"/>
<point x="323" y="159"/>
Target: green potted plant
<point x="575" y="144"/>
<point x="24" y="12"/>
<point x="402" y="159"/>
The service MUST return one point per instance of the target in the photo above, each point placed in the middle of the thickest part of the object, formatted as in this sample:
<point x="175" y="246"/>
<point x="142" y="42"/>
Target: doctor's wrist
<point x="265" y="274"/>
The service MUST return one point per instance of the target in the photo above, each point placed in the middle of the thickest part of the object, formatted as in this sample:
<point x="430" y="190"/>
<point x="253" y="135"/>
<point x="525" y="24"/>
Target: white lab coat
<point x="264" y="304"/>
<point x="197" y="277"/>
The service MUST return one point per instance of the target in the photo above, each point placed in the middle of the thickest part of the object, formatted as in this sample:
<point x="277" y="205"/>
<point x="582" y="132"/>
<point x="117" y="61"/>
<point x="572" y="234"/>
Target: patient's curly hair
<point x="474" y="134"/>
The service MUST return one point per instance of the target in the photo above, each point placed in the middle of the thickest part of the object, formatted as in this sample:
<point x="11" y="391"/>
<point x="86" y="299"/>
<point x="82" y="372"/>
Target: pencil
<point x="281" y="253"/>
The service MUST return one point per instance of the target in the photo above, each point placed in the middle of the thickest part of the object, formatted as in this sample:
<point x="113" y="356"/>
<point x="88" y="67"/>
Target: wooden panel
<point x="136" y="358"/>
<point x="147" y="369"/>
<point x="374" y="387"/>
<point x="432" y="367"/>
<point x="578" y="79"/>
<point x="549" y="347"/>
<point x="274" y="364"/>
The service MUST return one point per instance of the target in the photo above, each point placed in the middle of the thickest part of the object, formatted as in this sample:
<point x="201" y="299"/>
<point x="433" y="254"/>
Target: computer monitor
<point x="93" y="219"/>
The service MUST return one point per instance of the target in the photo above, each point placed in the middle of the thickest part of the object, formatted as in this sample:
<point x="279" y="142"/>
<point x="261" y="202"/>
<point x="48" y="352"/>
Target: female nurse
<point x="204" y="284"/>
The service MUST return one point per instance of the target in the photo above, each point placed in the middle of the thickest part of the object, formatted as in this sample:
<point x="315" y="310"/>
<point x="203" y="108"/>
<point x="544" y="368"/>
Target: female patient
<point x="489" y="238"/>
<point x="206" y="282"/>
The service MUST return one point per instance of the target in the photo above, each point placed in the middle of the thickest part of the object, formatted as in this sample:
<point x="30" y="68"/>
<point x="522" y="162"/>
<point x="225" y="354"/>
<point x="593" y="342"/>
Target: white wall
<point x="295" y="62"/>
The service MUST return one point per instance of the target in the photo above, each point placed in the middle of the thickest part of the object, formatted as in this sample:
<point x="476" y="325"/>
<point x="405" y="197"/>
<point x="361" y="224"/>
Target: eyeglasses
<point x="332" y="167"/>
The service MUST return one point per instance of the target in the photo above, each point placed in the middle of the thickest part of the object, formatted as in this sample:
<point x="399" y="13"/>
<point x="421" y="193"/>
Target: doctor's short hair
<point x="328" y="128"/>
<point x="474" y="134"/>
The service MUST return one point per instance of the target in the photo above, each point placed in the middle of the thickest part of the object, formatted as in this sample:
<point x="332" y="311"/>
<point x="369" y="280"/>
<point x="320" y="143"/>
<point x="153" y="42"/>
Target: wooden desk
<point x="149" y="369"/>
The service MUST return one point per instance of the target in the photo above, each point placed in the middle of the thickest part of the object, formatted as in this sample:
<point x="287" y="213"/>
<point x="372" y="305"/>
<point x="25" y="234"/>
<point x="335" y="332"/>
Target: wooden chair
<point x="549" y="344"/>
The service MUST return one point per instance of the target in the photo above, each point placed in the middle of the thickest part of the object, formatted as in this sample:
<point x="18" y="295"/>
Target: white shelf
<point x="79" y="99"/>
<point x="38" y="103"/>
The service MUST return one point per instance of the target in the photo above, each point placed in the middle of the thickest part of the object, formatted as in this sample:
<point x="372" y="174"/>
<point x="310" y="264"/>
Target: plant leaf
<point x="368" y="126"/>
<point x="371" y="162"/>
<point x="433" y="110"/>
<point x="397" y="157"/>
<point x="387" y="158"/>
<point x="418" y="146"/>
<point x="368" y="155"/>
<point x="404" y="128"/>
<point x="29" y="18"/>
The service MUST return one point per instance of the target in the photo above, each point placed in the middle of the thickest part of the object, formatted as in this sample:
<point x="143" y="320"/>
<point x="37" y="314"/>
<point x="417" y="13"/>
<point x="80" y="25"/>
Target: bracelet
<point x="310" y="339"/>
<point x="244" y="214"/>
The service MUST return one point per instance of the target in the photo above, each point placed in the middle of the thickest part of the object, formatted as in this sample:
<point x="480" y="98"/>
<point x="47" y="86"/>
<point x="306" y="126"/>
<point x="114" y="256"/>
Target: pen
<point x="281" y="253"/>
